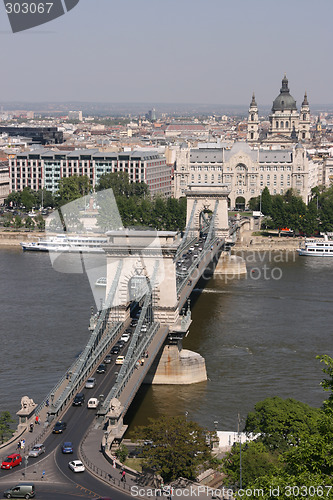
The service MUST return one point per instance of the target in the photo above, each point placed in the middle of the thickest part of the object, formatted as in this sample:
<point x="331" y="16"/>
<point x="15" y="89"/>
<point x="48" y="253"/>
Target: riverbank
<point x="13" y="238"/>
<point x="267" y="243"/>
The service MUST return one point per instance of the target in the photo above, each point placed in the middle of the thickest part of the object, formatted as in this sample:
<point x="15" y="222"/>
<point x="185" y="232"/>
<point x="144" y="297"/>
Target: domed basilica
<point x="286" y="124"/>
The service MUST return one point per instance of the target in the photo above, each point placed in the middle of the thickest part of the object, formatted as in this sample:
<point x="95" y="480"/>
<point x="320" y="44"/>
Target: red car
<point x="11" y="461"/>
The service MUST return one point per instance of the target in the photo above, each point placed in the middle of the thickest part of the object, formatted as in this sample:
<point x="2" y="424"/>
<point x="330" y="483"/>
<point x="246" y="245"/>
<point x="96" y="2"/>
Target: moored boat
<point x="316" y="247"/>
<point x="66" y="244"/>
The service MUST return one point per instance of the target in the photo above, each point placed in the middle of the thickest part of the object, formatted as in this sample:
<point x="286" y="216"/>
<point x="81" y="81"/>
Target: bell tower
<point x="304" y="120"/>
<point x="253" y="122"/>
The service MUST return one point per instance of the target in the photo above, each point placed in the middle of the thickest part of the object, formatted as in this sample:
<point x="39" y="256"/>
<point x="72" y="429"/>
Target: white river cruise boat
<point x="318" y="247"/>
<point x="66" y="243"/>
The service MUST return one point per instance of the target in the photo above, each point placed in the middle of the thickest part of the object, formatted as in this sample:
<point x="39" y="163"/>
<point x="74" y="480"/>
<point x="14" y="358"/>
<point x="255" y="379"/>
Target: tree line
<point x="290" y="211"/>
<point x="136" y="206"/>
<point x="293" y="451"/>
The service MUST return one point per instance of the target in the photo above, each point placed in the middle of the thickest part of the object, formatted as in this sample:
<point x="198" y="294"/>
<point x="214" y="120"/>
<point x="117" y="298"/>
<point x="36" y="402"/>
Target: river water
<point x="258" y="334"/>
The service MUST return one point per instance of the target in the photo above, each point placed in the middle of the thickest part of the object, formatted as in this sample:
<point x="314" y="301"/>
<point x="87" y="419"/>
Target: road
<point x="59" y="482"/>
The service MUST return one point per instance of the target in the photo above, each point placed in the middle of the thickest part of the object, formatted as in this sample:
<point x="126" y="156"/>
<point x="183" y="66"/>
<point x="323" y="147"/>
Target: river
<point x="259" y="335"/>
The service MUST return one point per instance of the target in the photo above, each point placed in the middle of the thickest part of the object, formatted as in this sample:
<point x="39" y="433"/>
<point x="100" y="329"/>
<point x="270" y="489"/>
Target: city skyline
<point x="211" y="52"/>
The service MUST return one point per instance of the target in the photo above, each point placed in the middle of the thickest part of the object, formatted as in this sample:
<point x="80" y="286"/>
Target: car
<point x="125" y="337"/>
<point x="101" y="368"/>
<point x="115" y="349"/>
<point x="79" y="399"/>
<point x="37" y="450"/>
<point x="59" y="427"/>
<point x="22" y="490"/>
<point x="108" y="358"/>
<point x="120" y="360"/>
<point x="67" y="447"/>
<point x="76" y="466"/>
<point x="11" y="461"/>
<point x="91" y="382"/>
<point x="144" y="328"/>
<point x="121" y="343"/>
<point x="92" y="403"/>
<point x="134" y="322"/>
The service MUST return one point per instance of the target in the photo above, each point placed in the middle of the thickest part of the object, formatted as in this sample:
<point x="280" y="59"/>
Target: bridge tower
<point x="208" y="198"/>
<point x="140" y="252"/>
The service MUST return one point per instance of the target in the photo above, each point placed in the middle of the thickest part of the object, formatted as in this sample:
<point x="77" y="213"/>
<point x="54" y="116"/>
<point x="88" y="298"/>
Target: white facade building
<point x="247" y="171"/>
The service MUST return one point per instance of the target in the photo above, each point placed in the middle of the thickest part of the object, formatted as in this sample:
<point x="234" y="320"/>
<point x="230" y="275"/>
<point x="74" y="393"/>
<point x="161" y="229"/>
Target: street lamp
<point x="240" y="453"/>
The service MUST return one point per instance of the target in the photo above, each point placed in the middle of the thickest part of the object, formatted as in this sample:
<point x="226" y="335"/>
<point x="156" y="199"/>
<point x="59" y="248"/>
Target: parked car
<point x="92" y="403"/>
<point x="120" y="360"/>
<point x="37" y="450"/>
<point x="121" y="343"/>
<point x="125" y="337"/>
<point x="108" y="358"/>
<point x="22" y="490"/>
<point x="101" y="368"/>
<point x="59" y="427"/>
<point x="91" y="382"/>
<point x="79" y="399"/>
<point x="67" y="447"/>
<point x="76" y="466"/>
<point x="11" y="461"/>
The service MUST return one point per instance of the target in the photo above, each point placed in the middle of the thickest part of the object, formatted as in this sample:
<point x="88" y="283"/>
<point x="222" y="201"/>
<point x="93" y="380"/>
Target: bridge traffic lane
<point x="198" y="272"/>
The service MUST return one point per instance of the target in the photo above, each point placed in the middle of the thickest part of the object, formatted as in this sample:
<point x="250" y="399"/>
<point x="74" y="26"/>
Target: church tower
<point x="304" y="121"/>
<point x="253" y="122"/>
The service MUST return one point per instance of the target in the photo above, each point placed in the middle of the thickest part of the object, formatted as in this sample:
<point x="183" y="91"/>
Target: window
<point x="277" y="124"/>
<point x="282" y="124"/>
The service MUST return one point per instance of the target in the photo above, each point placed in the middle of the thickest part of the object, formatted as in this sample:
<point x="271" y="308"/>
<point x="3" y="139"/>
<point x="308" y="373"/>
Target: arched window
<point x="304" y="116"/>
<point x="282" y="124"/>
<point x="277" y="124"/>
<point x="252" y="117"/>
<point x="251" y="135"/>
<point x="287" y="124"/>
<point x="303" y="135"/>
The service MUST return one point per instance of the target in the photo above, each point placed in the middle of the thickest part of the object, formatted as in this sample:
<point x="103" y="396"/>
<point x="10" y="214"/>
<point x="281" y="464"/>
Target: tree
<point x="327" y="383"/>
<point x="266" y="201"/>
<point x="13" y="199"/>
<point x="5" y="421"/>
<point x="257" y="461"/>
<point x="72" y="188"/>
<point x="175" y="447"/>
<point x="18" y="222"/>
<point x="29" y="223"/>
<point x="122" y="453"/>
<point x="28" y="198"/>
<point x="282" y="422"/>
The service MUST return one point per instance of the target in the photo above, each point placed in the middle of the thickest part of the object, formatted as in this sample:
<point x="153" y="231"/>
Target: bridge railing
<point x="73" y="386"/>
<point x="136" y="348"/>
<point x="182" y="283"/>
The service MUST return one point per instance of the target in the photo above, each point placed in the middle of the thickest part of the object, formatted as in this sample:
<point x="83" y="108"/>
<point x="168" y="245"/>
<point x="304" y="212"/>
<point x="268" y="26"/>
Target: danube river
<point x="259" y="335"/>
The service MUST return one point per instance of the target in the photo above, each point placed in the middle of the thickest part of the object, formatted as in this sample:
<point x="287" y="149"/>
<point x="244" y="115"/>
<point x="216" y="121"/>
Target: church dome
<point x="284" y="100"/>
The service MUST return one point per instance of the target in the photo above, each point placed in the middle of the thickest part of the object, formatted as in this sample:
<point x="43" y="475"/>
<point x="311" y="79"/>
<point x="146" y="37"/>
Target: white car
<point x="120" y="360"/>
<point x="93" y="403"/>
<point x="76" y="466"/>
<point x="125" y="337"/>
<point x="37" y="450"/>
<point x="91" y="382"/>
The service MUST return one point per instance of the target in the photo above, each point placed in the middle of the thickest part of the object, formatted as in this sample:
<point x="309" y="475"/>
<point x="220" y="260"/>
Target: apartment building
<point x="44" y="168"/>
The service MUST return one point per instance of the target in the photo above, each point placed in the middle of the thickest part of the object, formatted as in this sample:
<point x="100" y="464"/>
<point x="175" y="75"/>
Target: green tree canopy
<point x="72" y="188"/>
<point x="5" y="421"/>
<point x="282" y="422"/>
<point x="175" y="447"/>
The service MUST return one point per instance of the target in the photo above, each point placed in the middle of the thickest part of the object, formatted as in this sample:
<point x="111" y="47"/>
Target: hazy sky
<point x="199" y="51"/>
